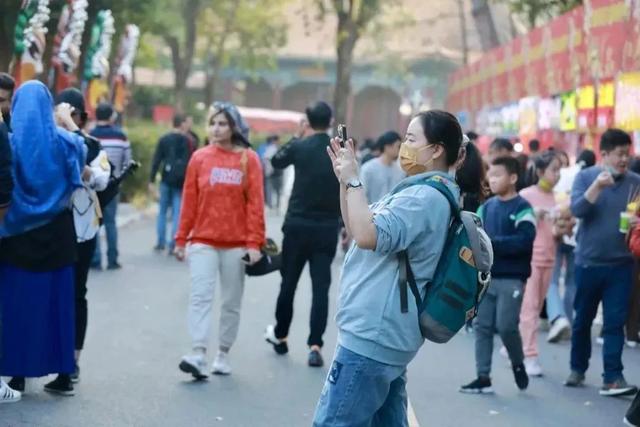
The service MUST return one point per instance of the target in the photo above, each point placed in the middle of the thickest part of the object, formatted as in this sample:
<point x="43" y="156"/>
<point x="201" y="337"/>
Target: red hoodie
<point x="223" y="200"/>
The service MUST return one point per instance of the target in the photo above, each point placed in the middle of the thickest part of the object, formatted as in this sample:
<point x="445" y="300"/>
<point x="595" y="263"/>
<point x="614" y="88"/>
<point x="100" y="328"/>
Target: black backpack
<point x="175" y="163"/>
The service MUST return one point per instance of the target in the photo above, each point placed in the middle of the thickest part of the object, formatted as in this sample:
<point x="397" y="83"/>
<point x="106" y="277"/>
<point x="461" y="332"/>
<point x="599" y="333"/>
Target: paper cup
<point x="624" y="222"/>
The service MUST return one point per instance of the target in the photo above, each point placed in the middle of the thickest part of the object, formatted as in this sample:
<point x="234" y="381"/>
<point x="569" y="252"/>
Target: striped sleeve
<point x="525" y="215"/>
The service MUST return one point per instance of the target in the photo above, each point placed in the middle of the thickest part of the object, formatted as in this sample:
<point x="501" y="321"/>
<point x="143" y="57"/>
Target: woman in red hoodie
<point x="222" y="221"/>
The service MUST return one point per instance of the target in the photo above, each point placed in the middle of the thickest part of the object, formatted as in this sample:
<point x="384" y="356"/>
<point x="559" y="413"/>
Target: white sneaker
<point x="532" y="366"/>
<point x="559" y="330"/>
<point x="7" y="394"/>
<point x="221" y="365"/>
<point x="194" y="364"/>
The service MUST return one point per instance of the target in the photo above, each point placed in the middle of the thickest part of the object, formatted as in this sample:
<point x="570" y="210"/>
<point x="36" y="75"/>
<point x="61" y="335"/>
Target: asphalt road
<point x="137" y="334"/>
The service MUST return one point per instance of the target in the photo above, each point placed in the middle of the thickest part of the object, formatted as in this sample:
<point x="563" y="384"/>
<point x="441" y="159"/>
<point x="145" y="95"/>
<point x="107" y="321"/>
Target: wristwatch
<point x="354" y="183"/>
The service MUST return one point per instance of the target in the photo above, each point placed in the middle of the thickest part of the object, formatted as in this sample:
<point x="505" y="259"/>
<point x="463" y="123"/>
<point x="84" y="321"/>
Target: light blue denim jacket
<point x="369" y="318"/>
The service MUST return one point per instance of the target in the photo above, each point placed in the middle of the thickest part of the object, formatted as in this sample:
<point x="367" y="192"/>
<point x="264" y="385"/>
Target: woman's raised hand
<point x="345" y="163"/>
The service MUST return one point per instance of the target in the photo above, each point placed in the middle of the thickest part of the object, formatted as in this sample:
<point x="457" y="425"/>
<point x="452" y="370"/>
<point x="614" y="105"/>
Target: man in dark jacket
<point x="7" y="394"/>
<point x="310" y="230"/>
<point x="7" y="86"/>
<point x="171" y="156"/>
<point x="118" y="148"/>
<point x="6" y="180"/>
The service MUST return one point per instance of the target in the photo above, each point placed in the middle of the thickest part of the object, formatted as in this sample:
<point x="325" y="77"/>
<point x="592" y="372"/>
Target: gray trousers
<point x="206" y="264"/>
<point x="499" y="311"/>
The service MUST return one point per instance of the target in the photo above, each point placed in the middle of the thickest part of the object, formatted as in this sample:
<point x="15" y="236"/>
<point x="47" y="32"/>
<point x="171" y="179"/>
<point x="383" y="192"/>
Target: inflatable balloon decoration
<point x="29" y="39"/>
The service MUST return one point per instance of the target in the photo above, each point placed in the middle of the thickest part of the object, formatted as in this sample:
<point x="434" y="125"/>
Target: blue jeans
<point x="170" y="197"/>
<point x="611" y="285"/>
<point x="109" y="221"/>
<point x="360" y="392"/>
<point x="556" y="305"/>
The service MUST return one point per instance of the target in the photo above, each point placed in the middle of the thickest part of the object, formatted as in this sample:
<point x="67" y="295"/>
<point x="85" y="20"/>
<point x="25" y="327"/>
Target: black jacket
<point x="315" y="199"/>
<point x="172" y="153"/>
<point x="6" y="179"/>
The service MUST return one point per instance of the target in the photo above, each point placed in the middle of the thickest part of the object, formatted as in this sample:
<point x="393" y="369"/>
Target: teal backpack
<point x="461" y="277"/>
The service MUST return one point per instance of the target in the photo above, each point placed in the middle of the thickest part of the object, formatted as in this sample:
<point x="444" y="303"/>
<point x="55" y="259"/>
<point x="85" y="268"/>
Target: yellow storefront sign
<point x="627" y="105"/>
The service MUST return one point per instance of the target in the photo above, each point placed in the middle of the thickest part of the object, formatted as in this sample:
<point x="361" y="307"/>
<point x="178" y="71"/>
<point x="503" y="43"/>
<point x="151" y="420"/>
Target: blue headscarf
<point x="47" y="161"/>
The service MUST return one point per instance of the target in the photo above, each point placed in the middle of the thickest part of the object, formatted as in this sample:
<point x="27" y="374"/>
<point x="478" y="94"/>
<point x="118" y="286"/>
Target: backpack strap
<point x="407" y="277"/>
<point x="444" y="190"/>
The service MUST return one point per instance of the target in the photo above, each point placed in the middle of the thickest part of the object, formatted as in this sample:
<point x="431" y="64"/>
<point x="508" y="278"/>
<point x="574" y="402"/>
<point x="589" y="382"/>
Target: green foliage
<point x="243" y="34"/>
<point x="536" y="10"/>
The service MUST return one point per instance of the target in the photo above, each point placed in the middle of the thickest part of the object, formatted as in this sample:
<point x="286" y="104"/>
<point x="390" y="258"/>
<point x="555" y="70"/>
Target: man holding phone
<point x="310" y="230"/>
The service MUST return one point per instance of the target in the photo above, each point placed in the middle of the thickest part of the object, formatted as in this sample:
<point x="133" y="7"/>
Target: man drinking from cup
<point x="604" y="265"/>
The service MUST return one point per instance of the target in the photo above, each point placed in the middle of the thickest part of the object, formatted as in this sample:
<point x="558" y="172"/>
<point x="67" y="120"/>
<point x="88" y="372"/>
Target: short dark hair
<point x="7" y="82"/>
<point x="534" y="145"/>
<point x="473" y="136"/>
<point x="511" y="164"/>
<point x="442" y="127"/>
<point x="614" y="138"/>
<point x="178" y="120"/>
<point x="501" y="144"/>
<point x="104" y="111"/>
<point x="319" y="115"/>
<point x="543" y="160"/>
<point x="587" y="159"/>
<point x="388" y="138"/>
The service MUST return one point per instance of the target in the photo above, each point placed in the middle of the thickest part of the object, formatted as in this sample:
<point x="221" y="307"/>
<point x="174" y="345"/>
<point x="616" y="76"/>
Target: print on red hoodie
<point x="223" y="200"/>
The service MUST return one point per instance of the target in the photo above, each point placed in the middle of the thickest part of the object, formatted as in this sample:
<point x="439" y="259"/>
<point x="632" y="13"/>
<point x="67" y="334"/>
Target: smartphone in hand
<point x="342" y="134"/>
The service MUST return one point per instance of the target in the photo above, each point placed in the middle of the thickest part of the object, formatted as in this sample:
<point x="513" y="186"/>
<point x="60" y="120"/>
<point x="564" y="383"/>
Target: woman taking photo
<point x="38" y="245"/>
<point x="222" y="220"/>
<point x="366" y="383"/>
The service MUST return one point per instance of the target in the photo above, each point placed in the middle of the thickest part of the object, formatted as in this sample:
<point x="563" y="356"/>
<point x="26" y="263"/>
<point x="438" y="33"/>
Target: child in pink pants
<point x="542" y="200"/>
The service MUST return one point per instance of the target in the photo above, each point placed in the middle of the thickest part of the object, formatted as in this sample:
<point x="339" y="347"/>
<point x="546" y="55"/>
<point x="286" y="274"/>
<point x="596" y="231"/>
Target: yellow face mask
<point x="545" y="185"/>
<point x="409" y="159"/>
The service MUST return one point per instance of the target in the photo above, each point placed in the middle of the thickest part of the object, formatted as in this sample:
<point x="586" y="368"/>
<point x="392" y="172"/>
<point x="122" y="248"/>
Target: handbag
<point x="271" y="260"/>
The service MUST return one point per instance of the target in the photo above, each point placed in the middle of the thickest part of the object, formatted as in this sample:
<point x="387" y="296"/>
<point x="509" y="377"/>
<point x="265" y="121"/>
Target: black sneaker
<point x="17" y="383"/>
<point x="279" y="346"/>
<point x="481" y="385"/>
<point x="315" y="359"/>
<point x="618" y="388"/>
<point x="61" y="385"/>
<point x="576" y="379"/>
<point x="521" y="377"/>
<point x="158" y="248"/>
<point x="75" y="377"/>
<point x="632" y="418"/>
<point x="114" y="266"/>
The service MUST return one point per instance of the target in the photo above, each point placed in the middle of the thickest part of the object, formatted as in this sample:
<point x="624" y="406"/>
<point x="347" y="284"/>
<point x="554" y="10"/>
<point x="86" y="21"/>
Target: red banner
<point x="588" y="45"/>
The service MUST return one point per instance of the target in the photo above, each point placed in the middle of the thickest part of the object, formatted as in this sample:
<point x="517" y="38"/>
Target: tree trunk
<point x="182" y="64"/>
<point x="179" y="77"/>
<point x="6" y="53"/>
<point x="7" y="27"/>
<point x="347" y="38"/>
<point x="485" y="24"/>
<point x="209" y="83"/>
<point x="463" y="32"/>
